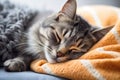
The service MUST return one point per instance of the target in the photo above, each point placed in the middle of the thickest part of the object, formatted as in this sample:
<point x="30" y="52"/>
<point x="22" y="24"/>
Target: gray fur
<point x="57" y="38"/>
<point x="63" y="36"/>
<point x="14" y="21"/>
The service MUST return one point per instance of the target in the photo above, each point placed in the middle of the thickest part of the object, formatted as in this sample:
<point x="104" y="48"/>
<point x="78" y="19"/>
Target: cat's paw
<point x="14" y="65"/>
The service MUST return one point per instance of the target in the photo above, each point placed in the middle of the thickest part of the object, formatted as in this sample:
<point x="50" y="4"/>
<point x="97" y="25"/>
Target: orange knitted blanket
<point x="102" y="62"/>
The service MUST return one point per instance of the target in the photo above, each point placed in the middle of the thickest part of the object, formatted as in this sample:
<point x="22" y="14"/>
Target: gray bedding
<point x="27" y="75"/>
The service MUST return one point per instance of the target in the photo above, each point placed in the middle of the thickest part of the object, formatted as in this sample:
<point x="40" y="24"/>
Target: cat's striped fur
<point x="63" y="36"/>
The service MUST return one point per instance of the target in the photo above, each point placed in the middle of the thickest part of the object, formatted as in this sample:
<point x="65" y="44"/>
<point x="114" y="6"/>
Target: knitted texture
<point x="14" y="21"/>
<point x="102" y="62"/>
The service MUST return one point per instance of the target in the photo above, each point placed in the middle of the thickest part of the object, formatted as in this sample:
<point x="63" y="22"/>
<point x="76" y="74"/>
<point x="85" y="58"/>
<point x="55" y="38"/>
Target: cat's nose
<point x="60" y="54"/>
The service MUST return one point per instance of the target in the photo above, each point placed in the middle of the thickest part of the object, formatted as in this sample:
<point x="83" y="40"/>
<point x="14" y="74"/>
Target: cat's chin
<point x="54" y="59"/>
<point x="58" y="60"/>
<point x="52" y="62"/>
<point x="62" y="59"/>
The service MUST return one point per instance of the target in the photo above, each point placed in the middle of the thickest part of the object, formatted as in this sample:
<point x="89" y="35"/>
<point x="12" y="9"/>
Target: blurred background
<point x="55" y="5"/>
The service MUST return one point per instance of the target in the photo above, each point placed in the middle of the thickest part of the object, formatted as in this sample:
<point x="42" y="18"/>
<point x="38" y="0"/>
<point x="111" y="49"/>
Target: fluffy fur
<point x="14" y="21"/>
<point x="58" y="38"/>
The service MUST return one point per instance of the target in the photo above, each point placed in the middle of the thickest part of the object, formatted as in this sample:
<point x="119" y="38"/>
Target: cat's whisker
<point x="21" y="44"/>
<point x="49" y="49"/>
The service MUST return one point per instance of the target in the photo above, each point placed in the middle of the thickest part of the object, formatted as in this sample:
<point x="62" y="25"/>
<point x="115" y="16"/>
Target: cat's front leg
<point x="17" y="64"/>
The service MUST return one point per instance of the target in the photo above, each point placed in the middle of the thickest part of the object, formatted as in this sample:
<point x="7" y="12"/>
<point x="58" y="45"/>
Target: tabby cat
<point x="58" y="38"/>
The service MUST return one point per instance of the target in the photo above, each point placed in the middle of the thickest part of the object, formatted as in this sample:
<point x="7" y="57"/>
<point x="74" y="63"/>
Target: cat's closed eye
<point x="74" y="49"/>
<point x="54" y="37"/>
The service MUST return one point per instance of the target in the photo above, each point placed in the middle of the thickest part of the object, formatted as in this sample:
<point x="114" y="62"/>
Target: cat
<point x="59" y="37"/>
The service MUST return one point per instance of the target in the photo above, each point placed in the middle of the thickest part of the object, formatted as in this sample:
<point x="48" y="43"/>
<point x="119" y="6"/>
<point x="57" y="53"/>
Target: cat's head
<point x="66" y="36"/>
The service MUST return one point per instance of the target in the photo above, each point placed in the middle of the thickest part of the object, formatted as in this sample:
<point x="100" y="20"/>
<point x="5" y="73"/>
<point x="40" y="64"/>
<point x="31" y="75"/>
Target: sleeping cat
<point x="58" y="38"/>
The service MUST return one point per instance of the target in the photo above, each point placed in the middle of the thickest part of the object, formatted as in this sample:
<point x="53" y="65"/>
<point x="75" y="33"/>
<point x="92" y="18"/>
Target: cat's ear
<point x="101" y="32"/>
<point x="69" y="8"/>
